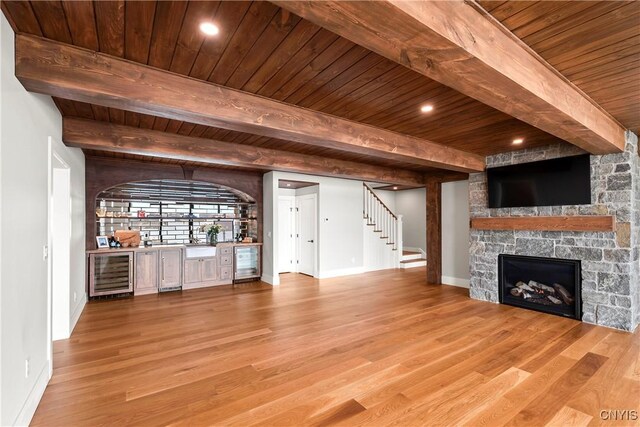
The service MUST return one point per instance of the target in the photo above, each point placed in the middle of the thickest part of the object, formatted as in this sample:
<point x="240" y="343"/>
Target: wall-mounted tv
<point x="564" y="181"/>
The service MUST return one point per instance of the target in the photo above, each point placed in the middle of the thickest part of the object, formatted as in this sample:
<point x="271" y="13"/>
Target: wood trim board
<point x="604" y="223"/>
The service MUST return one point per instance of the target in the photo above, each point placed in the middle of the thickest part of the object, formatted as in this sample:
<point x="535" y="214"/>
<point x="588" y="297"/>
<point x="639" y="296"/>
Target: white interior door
<point x="307" y="239"/>
<point x="287" y="234"/>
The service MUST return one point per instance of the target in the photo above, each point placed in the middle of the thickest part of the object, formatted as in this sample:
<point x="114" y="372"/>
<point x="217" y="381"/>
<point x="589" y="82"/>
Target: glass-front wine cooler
<point x="110" y="273"/>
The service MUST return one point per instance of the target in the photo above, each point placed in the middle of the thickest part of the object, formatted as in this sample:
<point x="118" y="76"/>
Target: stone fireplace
<point x="610" y="266"/>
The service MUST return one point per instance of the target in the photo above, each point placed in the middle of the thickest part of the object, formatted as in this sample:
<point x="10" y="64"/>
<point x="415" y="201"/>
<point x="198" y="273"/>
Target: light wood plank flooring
<point x="380" y="349"/>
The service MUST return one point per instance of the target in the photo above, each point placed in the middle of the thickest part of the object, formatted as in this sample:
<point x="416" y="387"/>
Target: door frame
<point x="316" y="239"/>
<point x="53" y="154"/>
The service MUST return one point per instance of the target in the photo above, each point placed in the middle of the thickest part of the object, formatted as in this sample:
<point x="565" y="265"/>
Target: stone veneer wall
<point x="610" y="261"/>
<point x="635" y="230"/>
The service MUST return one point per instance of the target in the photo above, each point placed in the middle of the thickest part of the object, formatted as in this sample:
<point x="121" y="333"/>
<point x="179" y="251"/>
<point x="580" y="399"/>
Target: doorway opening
<point x="59" y="248"/>
<point x="298" y="227"/>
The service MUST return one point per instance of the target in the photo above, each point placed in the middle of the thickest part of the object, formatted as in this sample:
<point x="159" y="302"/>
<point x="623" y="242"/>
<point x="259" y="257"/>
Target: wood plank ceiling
<point x="265" y="50"/>
<point x="595" y="44"/>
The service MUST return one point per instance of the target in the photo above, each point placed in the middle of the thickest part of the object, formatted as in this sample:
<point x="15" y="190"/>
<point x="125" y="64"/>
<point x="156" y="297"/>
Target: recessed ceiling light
<point x="426" y="108"/>
<point x="518" y="141"/>
<point x="209" y="28"/>
<point x="395" y="188"/>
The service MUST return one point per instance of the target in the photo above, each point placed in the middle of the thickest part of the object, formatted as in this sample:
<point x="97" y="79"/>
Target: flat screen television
<point x="564" y="181"/>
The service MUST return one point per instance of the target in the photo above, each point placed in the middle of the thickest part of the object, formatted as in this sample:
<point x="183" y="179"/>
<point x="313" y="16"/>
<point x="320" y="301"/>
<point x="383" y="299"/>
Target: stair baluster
<point x="378" y="215"/>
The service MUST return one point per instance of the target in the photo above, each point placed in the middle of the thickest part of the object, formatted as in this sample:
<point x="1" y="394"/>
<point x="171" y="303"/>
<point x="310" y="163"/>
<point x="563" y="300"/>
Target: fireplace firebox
<point x="550" y="285"/>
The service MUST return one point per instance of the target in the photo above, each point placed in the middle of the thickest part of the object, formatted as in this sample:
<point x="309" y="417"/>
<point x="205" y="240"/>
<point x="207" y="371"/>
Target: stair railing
<point x="381" y="218"/>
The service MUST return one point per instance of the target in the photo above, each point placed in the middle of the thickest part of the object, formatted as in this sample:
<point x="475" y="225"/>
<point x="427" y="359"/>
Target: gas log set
<point x="542" y="294"/>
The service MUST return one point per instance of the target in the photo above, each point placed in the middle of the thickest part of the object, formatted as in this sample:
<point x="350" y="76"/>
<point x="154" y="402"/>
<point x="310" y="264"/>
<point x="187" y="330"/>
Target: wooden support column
<point x="434" y="231"/>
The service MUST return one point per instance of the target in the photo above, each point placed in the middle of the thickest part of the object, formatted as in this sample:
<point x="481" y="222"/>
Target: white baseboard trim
<point x="455" y="281"/>
<point x="340" y="272"/>
<point x="273" y="281"/>
<point x="371" y="270"/>
<point x="77" y="313"/>
<point x="33" y="399"/>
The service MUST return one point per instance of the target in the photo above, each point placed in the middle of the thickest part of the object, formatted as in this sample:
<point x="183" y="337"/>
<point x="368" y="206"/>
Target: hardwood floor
<point x="379" y="349"/>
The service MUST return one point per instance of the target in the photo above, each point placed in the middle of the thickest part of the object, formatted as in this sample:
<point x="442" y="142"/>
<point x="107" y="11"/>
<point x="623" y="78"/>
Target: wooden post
<point x="434" y="231"/>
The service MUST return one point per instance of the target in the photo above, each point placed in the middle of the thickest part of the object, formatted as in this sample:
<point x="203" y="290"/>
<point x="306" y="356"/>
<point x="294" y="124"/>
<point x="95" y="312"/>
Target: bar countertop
<point x="164" y="246"/>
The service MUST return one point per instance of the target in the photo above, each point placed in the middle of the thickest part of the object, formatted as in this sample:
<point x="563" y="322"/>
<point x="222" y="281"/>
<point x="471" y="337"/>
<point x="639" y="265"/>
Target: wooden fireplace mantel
<point x="547" y="223"/>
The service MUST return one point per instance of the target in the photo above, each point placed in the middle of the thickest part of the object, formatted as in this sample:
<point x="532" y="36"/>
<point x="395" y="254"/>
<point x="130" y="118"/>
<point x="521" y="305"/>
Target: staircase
<point x="411" y="259"/>
<point x="383" y="241"/>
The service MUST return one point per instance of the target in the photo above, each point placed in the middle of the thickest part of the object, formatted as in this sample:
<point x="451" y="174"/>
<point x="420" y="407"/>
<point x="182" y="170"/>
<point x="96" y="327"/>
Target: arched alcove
<point x="172" y="211"/>
<point x="103" y="173"/>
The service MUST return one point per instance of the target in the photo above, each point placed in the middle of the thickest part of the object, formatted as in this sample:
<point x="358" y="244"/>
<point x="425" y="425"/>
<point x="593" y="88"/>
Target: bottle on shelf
<point x="147" y="242"/>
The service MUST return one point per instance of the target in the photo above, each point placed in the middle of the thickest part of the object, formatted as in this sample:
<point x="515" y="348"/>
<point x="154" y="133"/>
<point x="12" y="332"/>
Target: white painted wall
<point x="455" y="233"/>
<point x="388" y="198"/>
<point x="270" y="229"/>
<point x="78" y="275"/>
<point x="343" y="245"/>
<point x="340" y="233"/>
<point x="73" y="286"/>
<point x="286" y="192"/>
<point x="312" y="189"/>
<point x="411" y="204"/>
<point x="26" y="123"/>
<point x="60" y="249"/>
<point x="2" y="55"/>
<point x="376" y="253"/>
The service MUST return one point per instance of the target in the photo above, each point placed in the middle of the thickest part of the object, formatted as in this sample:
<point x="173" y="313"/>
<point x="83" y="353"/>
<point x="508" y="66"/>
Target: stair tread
<point x="410" y="253"/>
<point x="409" y="261"/>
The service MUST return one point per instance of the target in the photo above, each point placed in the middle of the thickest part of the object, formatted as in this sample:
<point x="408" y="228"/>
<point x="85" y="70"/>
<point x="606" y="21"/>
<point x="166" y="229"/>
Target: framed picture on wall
<point x="102" y="241"/>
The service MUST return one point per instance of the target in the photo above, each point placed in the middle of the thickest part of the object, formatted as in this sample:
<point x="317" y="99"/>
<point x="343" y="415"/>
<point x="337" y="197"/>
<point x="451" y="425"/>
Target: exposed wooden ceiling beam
<point x="455" y="43"/>
<point x="93" y="135"/>
<point x="446" y="176"/>
<point x="78" y="74"/>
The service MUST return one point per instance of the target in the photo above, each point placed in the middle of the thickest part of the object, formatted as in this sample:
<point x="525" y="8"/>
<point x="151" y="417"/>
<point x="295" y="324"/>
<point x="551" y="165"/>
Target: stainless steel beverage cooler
<point x="246" y="263"/>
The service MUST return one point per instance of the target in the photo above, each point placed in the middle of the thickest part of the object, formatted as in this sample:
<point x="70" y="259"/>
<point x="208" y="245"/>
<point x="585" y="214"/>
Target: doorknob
<point x="309" y="241"/>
